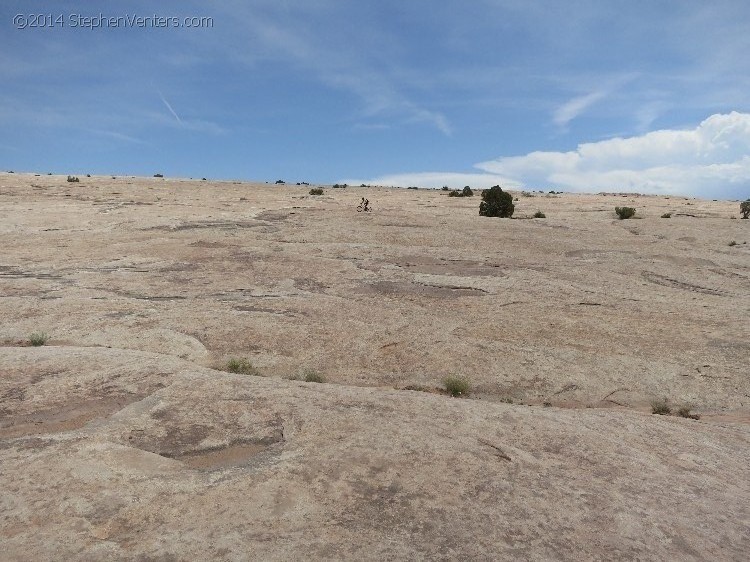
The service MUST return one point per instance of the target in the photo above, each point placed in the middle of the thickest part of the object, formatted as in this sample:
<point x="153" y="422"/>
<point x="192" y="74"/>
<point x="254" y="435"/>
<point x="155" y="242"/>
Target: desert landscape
<point x="123" y="435"/>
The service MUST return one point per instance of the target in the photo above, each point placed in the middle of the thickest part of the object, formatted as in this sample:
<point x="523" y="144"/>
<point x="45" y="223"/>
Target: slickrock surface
<point x="121" y="439"/>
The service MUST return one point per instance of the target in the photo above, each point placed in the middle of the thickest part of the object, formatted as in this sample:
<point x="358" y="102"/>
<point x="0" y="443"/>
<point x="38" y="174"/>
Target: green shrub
<point x="316" y="191"/>
<point x="73" y="179"/>
<point x="455" y="193"/>
<point x="467" y="192"/>
<point x="158" y="175"/>
<point x="343" y="186"/>
<point x="412" y="187"/>
<point x="660" y="407"/>
<point x="625" y="212"/>
<point x="241" y="366"/>
<point x="496" y="203"/>
<point x="445" y="188"/>
<point x="667" y="216"/>
<point x="280" y="182"/>
<point x="745" y="209"/>
<point x="456" y="386"/>
<point x="733" y="243"/>
<point x="540" y="215"/>
<point x="38" y="339"/>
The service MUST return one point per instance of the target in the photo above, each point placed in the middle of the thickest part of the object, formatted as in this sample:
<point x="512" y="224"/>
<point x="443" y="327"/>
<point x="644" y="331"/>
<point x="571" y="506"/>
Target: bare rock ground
<point x="121" y="440"/>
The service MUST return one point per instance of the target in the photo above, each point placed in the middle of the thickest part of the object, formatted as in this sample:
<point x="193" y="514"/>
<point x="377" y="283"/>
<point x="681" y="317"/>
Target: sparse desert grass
<point x="241" y="366"/>
<point x="73" y="179"/>
<point x="625" y="212"/>
<point x="540" y="215"/>
<point x="733" y="243"/>
<point x="745" y="209"/>
<point x="457" y="386"/>
<point x="660" y="407"/>
<point x="38" y="339"/>
<point x="684" y="412"/>
<point x="667" y="216"/>
<point x="311" y="375"/>
<point x="316" y="191"/>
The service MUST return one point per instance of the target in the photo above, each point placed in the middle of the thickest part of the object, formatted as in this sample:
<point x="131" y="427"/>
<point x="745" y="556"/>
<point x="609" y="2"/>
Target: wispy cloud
<point x="573" y="108"/>
<point x="294" y="42"/>
<point x="169" y="107"/>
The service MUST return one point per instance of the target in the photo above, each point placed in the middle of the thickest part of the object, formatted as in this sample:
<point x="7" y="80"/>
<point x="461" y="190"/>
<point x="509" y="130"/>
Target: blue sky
<point x="650" y="96"/>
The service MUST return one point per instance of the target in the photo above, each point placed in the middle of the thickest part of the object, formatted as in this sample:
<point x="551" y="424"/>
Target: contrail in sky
<point x="169" y="107"/>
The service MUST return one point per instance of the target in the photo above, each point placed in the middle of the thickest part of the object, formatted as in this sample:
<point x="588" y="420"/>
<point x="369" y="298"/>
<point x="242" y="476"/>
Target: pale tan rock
<point x="118" y="440"/>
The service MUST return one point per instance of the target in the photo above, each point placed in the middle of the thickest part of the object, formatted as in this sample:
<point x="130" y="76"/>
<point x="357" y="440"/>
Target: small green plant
<point x="496" y="203"/>
<point x="667" y="216"/>
<point x="241" y="366"/>
<point x="540" y="215"/>
<point x="316" y="191"/>
<point x="445" y="188"/>
<point x="280" y="182"/>
<point x="158" y="175"/>
<point x="343" y="186"/>
<point x="625" y="212"/>
<point x="467" y="192"/>
<point x="456" y="386"/>
<point x="733" y="243"/>
<point x="661" y="407"/>
<point x="38" y="339"/>
<point x="745" y="209"/>
<point x="73" y="179"/>
<point x="684" y="412"/>
<point x="412" y="187"/>
<point x="455" y="193"/>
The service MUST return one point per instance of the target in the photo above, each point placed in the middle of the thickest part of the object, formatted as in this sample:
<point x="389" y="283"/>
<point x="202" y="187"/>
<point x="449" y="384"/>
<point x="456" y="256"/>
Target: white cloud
<point x="712" y="159"/>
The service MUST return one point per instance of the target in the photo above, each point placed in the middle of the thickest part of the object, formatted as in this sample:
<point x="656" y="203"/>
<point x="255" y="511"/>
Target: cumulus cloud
<point x="710" y="160"/>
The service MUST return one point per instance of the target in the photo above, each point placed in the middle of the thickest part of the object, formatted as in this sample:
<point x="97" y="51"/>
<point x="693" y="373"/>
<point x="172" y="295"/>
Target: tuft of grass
<point x="241" y="366"/>
<point x="684" y="412"/>
<point x="73" y="179"/>
<point x="667" y="216"/>
<point x="311" y="375"/>
<point x="316" y="191"/>
<point x="660" y="407"/>
<point x="540" y="215"/>
<point x="733" y="243"/>
<point x="38" y="339"/>
<point x="456" y="386"/>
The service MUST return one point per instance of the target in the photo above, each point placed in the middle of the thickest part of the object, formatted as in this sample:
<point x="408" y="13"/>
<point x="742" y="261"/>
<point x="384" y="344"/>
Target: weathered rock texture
<point x="120" y="439"/>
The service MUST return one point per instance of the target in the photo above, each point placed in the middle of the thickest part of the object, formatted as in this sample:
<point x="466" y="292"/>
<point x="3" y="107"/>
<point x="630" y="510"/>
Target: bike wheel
<point x="359" y="209"/>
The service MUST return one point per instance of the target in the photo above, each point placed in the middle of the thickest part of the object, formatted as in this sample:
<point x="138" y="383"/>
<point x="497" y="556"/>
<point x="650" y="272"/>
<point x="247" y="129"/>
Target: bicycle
<point x="366" y="209"/>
